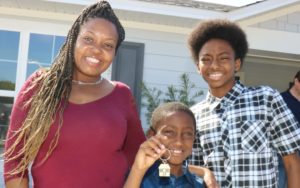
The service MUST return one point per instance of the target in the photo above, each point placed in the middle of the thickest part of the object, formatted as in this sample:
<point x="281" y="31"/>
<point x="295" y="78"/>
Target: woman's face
<point x="94" y="49"/>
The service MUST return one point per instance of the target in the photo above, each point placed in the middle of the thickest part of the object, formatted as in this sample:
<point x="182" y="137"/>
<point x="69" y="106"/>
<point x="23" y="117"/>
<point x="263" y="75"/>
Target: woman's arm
<point x="292" y="168"/>
<point x="135" y="177"/>
<point x="17" y="183"/>
<point x="135" y="134"/>
<point x="206" y="174"/>
<point x="12" y="156"/>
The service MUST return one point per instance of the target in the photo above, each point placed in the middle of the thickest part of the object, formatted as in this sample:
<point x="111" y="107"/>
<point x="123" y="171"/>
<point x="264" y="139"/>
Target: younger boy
<point x="172" y="136"/>
<point x="240" y="130"/>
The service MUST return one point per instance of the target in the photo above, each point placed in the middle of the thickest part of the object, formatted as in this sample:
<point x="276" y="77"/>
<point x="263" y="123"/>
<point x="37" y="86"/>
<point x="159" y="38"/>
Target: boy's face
<point x="179" y="128"/>
<point x="217" y="65"/>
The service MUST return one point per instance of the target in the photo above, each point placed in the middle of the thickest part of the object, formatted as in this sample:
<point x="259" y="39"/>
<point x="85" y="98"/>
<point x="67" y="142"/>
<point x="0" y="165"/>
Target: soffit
<point x="176" y="13"/>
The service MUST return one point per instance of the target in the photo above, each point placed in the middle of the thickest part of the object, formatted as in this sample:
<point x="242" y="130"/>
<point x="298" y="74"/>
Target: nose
<point x="178" y="140"/>
<point x="214" y="63"/>
<point x="97" y="49"/>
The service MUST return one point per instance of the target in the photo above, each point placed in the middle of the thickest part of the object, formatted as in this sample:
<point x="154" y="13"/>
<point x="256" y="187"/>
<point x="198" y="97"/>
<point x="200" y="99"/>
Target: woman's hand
<point x="17" y="183"/>
<point x="206" y="174"/>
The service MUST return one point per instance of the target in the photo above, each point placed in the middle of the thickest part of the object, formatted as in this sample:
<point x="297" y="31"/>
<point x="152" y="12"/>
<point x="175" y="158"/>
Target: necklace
<point x="88" y="83"/>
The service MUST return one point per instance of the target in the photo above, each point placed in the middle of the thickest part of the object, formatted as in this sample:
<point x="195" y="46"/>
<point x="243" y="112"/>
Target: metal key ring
<point x="165" y="160"/>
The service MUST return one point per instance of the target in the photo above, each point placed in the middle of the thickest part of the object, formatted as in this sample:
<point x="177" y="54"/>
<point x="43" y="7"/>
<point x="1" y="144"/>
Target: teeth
<point x="215" y="75"/>
<point x="177" y="151"/>
<point x="92" y="60"/>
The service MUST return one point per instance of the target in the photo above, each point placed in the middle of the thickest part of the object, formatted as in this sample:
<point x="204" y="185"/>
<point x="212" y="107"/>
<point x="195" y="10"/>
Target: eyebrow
<point x="152" y="128"/>
<point x="86" y="31"/>
<point x="94" y="34"/>
<point x="191" y="129"/>
<point x="204" y="55"/>
<point x="224" y="53"/>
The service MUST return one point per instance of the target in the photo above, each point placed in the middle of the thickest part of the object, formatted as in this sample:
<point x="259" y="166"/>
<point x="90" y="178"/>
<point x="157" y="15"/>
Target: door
<point x="128" y="67"/>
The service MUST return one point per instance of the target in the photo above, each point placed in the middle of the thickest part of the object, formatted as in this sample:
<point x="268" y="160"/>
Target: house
<point x="155" y="50"/>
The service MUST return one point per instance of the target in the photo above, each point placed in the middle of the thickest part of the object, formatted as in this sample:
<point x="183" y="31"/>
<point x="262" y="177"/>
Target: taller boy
<point x="240" y="130"/>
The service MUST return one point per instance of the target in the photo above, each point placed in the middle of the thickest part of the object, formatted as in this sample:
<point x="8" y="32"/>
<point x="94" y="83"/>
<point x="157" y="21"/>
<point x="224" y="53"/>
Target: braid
<point x="53" y="88"/>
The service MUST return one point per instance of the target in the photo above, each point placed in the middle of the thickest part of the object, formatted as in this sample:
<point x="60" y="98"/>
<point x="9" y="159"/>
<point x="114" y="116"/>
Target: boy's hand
<point x="151" y="150"/>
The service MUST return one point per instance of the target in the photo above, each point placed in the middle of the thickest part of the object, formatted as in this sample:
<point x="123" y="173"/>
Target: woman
<point x="74" y="127"/>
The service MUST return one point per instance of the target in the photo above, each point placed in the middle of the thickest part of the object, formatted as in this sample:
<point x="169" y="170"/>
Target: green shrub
<point x="7" y="85"/>
<point x="154" y="96"/>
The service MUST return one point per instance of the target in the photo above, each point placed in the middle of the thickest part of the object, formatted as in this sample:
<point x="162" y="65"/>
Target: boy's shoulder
<point x="244" y="92"/>
<point x="266" y="93"/>
<point x="260" y="89"/>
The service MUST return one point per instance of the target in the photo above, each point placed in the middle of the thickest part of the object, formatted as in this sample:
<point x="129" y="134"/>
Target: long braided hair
<point x="53" y="90"/>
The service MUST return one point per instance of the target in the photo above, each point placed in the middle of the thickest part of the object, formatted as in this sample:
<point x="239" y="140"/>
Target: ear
<point x="296" y="85"/>
<point x="198" y="68"/>
<point x="237" y="65"/>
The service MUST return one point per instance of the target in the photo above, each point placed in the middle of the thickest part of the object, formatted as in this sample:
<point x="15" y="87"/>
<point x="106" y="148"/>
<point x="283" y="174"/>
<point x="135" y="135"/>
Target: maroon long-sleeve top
<point x="97" y="143"/>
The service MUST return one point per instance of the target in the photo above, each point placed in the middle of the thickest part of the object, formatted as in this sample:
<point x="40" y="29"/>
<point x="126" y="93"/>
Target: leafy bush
<point x="154" y="96"/>
<point x="7" y="85"/>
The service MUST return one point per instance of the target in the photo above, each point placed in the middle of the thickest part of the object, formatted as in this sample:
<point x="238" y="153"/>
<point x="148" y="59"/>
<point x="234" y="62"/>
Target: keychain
<point x="164" y="168"/>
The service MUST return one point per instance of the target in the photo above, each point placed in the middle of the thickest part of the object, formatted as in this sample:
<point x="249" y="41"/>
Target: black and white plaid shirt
<point x="239" y="136"/>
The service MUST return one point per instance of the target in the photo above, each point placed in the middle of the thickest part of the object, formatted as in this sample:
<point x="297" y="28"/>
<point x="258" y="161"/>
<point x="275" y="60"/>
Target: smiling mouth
<point x="176" y="151"/>
<point x="215" y="76"/>
<point x="92" y="60"/>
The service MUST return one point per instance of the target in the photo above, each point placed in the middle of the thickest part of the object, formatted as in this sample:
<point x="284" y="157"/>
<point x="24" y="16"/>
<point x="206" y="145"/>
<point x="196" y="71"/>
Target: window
<point x="42" y="51"/>
<point x="9" y="48"/>
<point x="5" y="110"/>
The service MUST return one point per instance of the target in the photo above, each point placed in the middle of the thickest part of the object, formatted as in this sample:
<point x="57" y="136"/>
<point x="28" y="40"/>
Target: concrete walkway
<point x="1" y="174"/>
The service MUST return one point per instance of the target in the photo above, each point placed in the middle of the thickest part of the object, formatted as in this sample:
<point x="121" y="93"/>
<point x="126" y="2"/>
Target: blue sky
<point x="234" y="3"/>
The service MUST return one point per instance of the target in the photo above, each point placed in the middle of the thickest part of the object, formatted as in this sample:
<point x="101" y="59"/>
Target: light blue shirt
<point x="187" y="180"/>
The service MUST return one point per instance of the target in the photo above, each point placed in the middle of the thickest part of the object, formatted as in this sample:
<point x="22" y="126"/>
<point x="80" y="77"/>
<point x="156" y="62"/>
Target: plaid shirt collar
<point x="228" y="99"/>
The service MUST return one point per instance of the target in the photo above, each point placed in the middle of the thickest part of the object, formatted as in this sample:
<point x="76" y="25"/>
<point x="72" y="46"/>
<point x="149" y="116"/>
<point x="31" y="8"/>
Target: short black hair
<point x="218" y="29"/>
<point x="297" y="76"/>
<point x="163" y="110"/>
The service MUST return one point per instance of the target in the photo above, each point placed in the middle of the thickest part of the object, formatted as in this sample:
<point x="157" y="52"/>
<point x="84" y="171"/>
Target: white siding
<point x="166" y="54"/>
<point x="166" y="58"/>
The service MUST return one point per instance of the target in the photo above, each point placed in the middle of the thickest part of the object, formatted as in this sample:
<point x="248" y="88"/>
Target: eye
<point x="205" y="60"/>
<point x="224" y="58"/>
<point x="88" y="39"/>
<point x="109" y="46"/>
<point x="169" y="133"/>
<point x="188" y="135"/>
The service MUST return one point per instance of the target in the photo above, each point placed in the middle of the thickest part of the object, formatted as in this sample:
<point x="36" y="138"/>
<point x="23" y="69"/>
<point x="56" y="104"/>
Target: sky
<point x="234" y="3"/>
